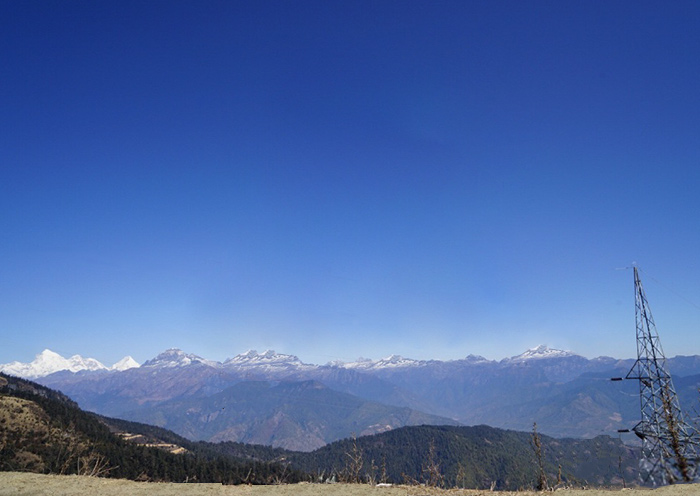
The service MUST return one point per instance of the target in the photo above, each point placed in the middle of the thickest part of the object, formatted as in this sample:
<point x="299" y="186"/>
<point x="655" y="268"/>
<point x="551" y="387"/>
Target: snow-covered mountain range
<point x="48" y="362"/>
<point x="567" y="394"/>
<point x="540" y="352"/>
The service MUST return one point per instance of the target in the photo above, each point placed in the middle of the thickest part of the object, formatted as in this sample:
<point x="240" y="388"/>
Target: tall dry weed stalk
<point x="354" y="463"/>
<point x="541" y="483"/>
<point x="677" y="445"/>
<point x="432" y="473"/>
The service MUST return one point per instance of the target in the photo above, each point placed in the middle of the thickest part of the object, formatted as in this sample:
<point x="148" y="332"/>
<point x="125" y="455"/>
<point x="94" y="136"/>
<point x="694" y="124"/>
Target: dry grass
<point x="25" y="416"/>
<point x="19" y="484"/>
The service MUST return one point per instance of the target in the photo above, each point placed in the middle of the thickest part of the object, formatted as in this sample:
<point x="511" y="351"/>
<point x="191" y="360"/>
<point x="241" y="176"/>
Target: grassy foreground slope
<point x="27" y="484"/>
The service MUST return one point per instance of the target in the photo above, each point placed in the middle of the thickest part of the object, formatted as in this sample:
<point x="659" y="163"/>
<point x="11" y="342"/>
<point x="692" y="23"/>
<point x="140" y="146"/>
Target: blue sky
<point x="347" y="178"/>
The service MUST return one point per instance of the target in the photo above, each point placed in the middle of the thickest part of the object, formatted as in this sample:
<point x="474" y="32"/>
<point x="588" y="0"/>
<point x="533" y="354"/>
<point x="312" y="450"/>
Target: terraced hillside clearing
<point x="21" y="484"/>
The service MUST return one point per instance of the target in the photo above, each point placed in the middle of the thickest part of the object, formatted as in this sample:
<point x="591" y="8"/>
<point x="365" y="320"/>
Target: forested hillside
<point x="472" y="457"/>
<point x="43" y="431"/>
<point x="449" y="456"/>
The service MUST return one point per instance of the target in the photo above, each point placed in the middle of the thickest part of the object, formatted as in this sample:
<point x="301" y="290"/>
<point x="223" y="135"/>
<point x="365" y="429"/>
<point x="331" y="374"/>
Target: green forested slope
<point x="43" y="431"/>
<point x="474" y="457"/>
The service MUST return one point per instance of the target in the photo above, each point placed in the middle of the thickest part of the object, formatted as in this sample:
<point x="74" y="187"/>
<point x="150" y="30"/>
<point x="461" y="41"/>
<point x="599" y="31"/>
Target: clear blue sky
<point x="337" y="179"/>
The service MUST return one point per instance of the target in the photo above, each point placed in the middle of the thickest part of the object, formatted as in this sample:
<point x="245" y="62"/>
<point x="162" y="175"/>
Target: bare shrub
<point x="541" y="483"/>
<point x="354" y="463"/>
<point x="432" y="473"/>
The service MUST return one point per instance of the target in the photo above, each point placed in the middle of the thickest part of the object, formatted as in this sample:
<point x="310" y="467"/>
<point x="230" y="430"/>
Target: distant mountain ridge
<point x="568" y="395"/>
<point x="48" y="362"/>
<point x="540" y="352"/>
<point x="300" y="416"/>
<point x="44" y="431"/>
<point x="174" y="357"/>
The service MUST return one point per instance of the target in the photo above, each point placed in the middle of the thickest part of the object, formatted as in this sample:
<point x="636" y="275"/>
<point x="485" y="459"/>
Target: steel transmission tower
<point x="669" y="444"/>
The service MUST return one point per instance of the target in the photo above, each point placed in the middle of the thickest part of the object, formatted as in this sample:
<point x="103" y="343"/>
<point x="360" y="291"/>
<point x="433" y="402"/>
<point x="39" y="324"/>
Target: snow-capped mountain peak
<point x="360" y="363"/>
<point x="251" y="362"/>
<point x="473" y="359"/>
<point x="540" y="352"/>
<point x="124" y="364"/>
<point x="267" y="359"/>
<point x="392" y="361"/>
<point x="47" y="362"/>
<point x="252" y="356"/>
<point x="395" y="361"/>
<point x="78" y="363"/>
<point x="175" y="357"/>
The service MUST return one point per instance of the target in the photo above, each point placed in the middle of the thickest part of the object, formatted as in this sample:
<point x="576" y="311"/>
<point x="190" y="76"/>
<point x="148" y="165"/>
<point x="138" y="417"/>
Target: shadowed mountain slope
<point x="293" y="415"/>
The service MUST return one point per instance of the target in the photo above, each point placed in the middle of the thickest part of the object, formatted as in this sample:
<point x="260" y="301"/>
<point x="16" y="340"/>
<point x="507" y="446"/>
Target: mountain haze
<point x="300" y="416"/>
<point x="565" y="393"/>
<point x="43" y="431"/>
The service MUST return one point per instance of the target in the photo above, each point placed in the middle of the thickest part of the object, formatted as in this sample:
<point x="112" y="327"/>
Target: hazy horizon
<point x="300" y="356"/>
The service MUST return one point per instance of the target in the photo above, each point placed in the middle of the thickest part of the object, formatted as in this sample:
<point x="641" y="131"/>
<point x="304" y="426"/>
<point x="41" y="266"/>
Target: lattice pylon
<point x="669" y="445"/>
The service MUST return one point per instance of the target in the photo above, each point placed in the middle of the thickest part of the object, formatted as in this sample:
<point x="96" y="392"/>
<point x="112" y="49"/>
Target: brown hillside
<point x="23" y="423"/>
